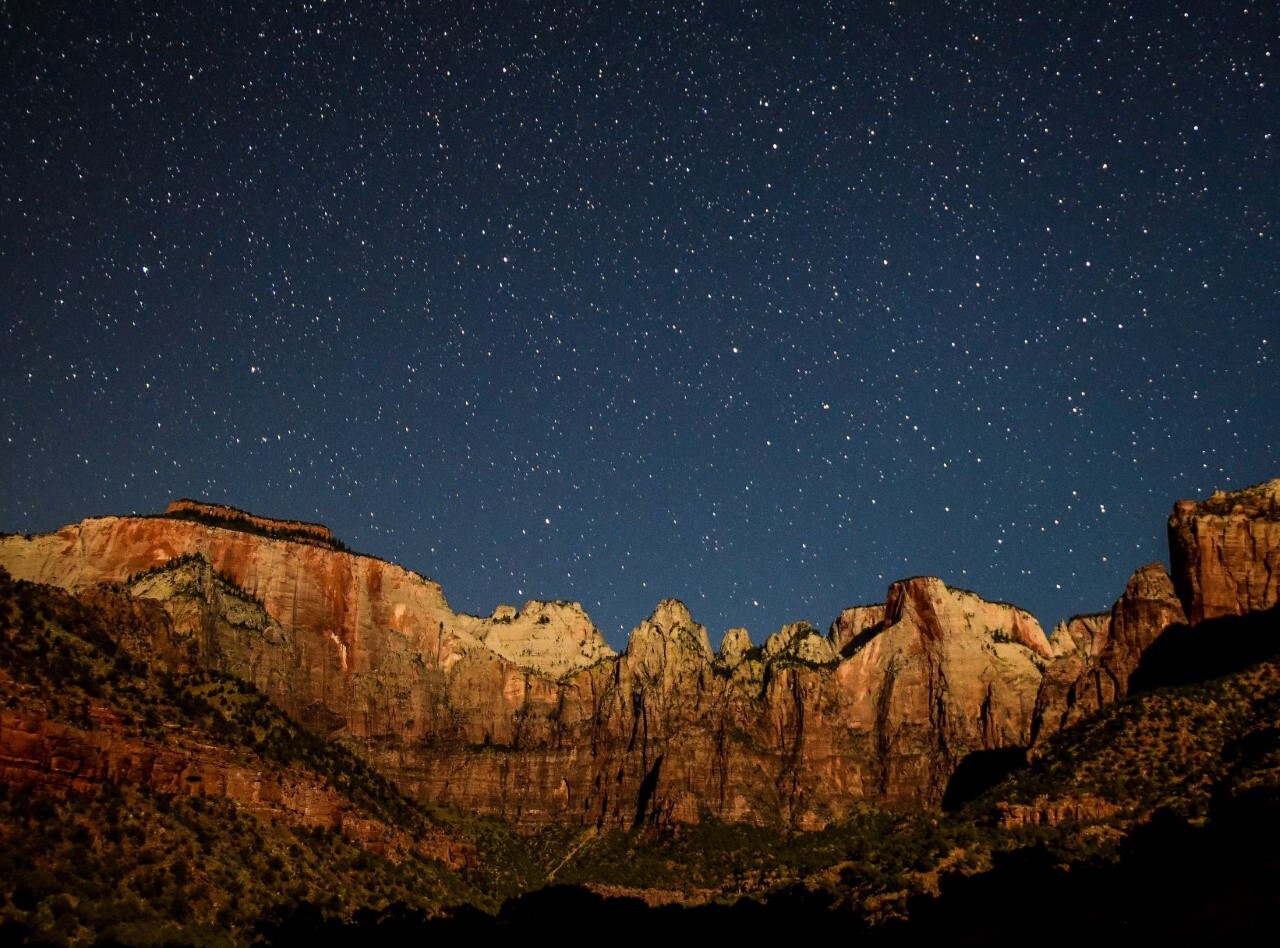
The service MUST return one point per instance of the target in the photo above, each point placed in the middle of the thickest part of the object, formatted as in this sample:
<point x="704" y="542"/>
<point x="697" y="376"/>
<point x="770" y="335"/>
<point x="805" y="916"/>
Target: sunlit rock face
<point x="529" y="715"/>
<point x="353" y="644"/>
<point x="59" y="742"/>
<point x="1226" y="552"/>
<point x="554" y="638"/>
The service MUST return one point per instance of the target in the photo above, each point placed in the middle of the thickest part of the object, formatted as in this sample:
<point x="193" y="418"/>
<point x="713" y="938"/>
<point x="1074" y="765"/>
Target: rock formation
<point x="55" y="757"/>
<point x="1226" y="552"/>
<point x="1226" y="562"/>
<point x="853" y="627"/>
<point x="220" y="514"/>
<point x="70" y="739"/>
<point x="527" y="714"/>
<point x="1097" y="655"/>
<point x="734" y="647"/>
<point x="554" y="638"/>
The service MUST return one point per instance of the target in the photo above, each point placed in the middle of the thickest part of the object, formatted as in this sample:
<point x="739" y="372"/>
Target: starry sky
<point x="759" y="306"/>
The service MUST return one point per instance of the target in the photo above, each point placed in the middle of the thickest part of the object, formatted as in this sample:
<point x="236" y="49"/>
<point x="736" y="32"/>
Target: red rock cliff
<point x="1226" y="552"/>
<point x="528" y="715"/>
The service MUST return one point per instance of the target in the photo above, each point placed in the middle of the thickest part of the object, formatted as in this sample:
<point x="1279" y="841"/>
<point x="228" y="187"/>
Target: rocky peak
<point x="1148" y="607"/>
<point x="1260" y="502"/>
<point x="1226" y="552"/>
<point x="853" y="626"/>
<point x="672" y="623"/>
<point x="801" y="642"/>
<point x="1096" y="656"/>
<point x="1078" y="633"/>
<point x="734" y="647"/>
<point x="937" y="609"/>
<point x="552" y="638"/>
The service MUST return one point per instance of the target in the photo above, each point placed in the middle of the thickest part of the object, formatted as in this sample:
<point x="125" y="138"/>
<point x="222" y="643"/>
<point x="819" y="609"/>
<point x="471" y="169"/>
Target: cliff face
<point x="527" y="714"/>
<point x="50" y="756"/>
<point x="361" y="639"/>
<point x="669" y="730"/>
<point x="1098" y="655"/>
<point x="243" y="520"/>
<point x="83" y="703"/>
<point x="948" y="673"/>
<point x="1226" y="552"/>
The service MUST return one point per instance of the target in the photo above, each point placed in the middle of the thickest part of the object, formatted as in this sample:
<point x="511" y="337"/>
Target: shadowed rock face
<point x="528" y="715"/>
<point x="1226" y="552"/>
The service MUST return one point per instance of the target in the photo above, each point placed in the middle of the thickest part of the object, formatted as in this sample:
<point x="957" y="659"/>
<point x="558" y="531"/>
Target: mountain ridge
<point x="528" y="715"/>
<point x="927" y="747"/>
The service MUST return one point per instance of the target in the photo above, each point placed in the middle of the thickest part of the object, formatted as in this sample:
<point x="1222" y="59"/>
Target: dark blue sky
<point x="760" y="307"/>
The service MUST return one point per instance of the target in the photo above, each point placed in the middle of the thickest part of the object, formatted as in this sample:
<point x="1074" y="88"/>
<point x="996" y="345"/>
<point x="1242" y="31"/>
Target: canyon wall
<point x="1226" y="552"/>
<point x="527" y="714"/>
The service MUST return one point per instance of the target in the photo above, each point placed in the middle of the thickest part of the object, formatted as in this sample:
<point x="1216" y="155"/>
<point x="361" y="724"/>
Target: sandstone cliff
<point x="1098" y="655"/>
<point x="49" y="756"/>
<point x="80" y="710"/>
<point x="222" y="515"/>
<point x="527" y="714"/>
<point x="1226" y="552"/>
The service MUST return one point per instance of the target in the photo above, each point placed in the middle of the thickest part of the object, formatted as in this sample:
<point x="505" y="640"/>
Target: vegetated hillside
<point x="1186" y="745"/>
<point x="141" y="805"/>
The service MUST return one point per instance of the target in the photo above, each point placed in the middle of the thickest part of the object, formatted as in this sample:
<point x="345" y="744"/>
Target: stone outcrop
<point x="734" y="647"/>
<point x="1096" y="656"/>
<point x="1226" y="552"/>
<point x="799" y="642"/>
<point x="853" y="627"/>
<point x="241" y="520"/>
<point x="1047" y="812"/>
<point x="364" y="634"/>
<point x="948" y="673"/>
<point x="1076" y="645"/>
<point x="554" y="638"/>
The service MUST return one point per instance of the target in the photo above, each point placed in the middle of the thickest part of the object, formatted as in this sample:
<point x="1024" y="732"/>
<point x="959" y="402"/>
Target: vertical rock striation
<point x="1098" y="654"/>
<point x="1226" y="552"/>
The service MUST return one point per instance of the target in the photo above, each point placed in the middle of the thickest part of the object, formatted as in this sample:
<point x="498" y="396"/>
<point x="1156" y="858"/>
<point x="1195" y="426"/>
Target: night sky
<point x="757" y="306"/>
